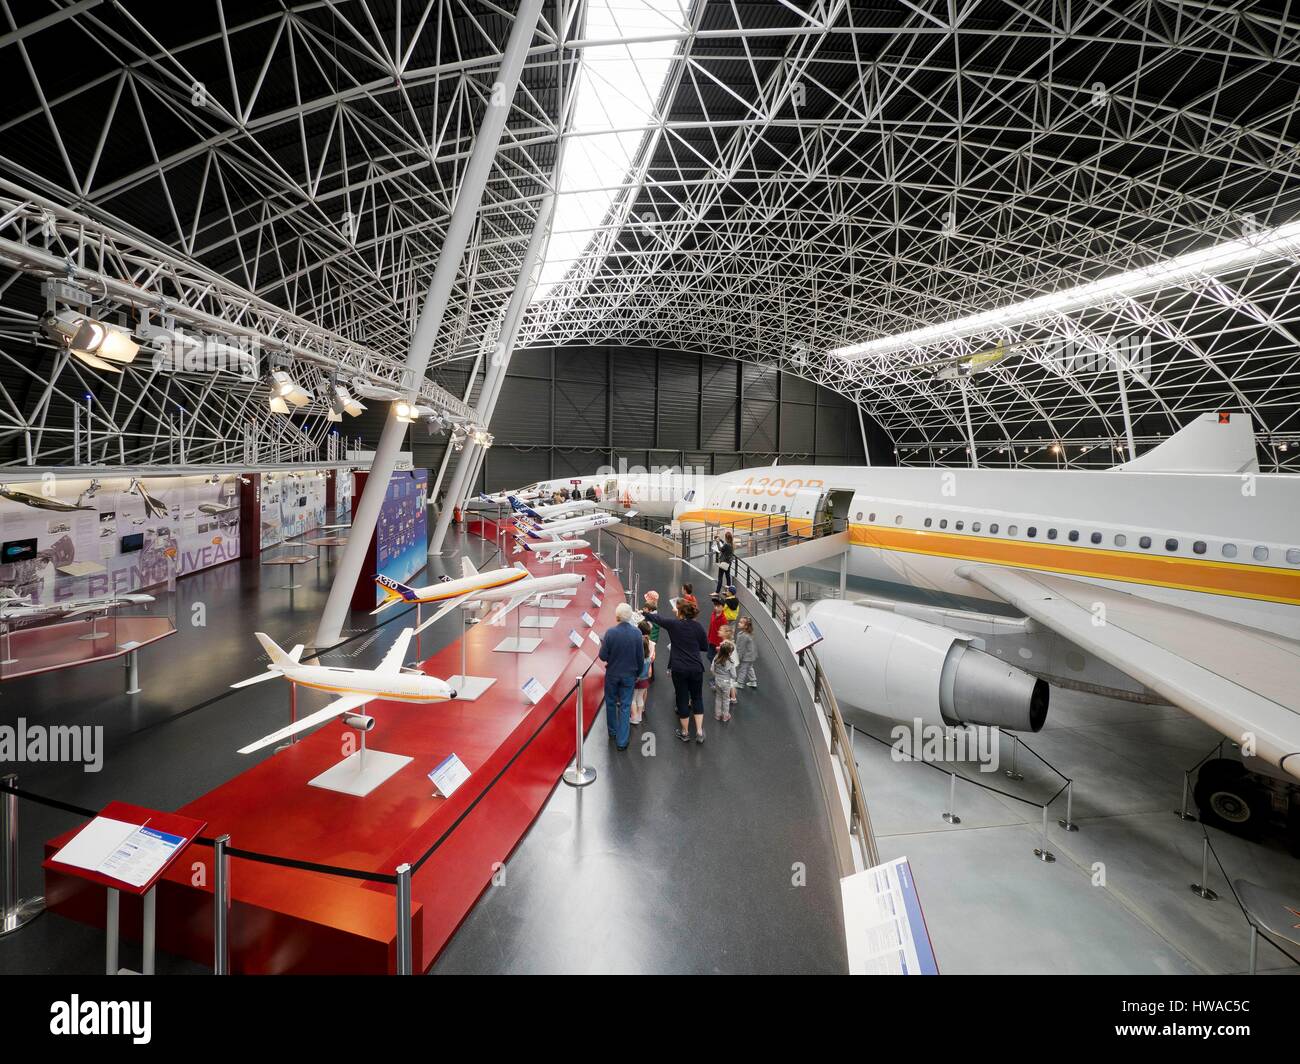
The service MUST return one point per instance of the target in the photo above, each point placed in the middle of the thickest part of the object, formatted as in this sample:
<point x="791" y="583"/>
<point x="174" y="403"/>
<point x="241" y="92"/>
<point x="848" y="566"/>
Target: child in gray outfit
<point x="747" y="651"/>
<point x="723" y="669"/>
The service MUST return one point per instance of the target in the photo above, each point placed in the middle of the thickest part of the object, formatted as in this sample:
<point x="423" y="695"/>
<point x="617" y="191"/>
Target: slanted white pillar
<point x="470" y="458"/>
<point x="463" y="214"/>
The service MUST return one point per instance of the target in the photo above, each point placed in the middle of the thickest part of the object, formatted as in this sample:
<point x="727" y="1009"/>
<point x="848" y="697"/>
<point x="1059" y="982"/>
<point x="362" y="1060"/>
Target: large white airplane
<point x="651" y="493"/>
<point x="447" y="591"/>
<point x="550" y="530"/>
<point x="16" y="607"/>
<point x="1174" y="577"/>
<point x="356" y="687"/>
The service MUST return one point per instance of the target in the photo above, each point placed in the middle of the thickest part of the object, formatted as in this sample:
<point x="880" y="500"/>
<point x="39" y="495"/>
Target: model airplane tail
<point x="394" y="592"/>
<point x="276" y="653"/>
<point x="467" y="568"/>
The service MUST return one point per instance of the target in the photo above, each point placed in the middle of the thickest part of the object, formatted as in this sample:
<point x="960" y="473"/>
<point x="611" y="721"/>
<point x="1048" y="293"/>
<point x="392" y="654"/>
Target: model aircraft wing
<point x="513" y="603"/>
<point x="345" y="704"/>
<point x="396" y="655"/>
<point x="1238" y="680"/>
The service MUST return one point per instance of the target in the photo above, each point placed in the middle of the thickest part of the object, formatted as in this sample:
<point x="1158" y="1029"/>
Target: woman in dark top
<point x="689" y="641"/>
<point x="726" y="555"/>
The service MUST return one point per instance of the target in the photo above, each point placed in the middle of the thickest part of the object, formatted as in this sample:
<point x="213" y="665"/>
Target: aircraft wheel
<point x="1228" y="799"/>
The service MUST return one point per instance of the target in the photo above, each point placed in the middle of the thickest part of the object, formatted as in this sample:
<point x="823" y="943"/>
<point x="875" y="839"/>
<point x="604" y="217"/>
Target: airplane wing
<point x="514" y="603"/>
<point x="337" y="708"/>
<point x="396" y="655"/>
<point x="270" y="674"/>
<point x="1238" y="680"/>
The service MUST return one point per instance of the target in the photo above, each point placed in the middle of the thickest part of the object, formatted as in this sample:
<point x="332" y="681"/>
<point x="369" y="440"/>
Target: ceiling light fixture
<point x="284" y="390"/>
<point x="90" y="340"/>
<point x="1282" y="241"/>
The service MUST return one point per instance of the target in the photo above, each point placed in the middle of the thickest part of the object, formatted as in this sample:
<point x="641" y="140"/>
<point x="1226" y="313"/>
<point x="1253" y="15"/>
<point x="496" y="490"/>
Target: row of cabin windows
<point x="764" y="507"/>
<point x="1260" y="553"/>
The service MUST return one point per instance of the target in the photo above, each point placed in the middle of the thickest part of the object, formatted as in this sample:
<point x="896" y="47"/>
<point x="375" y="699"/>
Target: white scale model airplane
<point x="1174" y="577"/>
<point x="511" y="587"/>
<point x="356" y="687"/>
<point x="554" y="510"/>
<point x="449" y="592"/>
<point x="561" y="529"/>
<point x="16" y="607"/>
<point x="552" y="550"/>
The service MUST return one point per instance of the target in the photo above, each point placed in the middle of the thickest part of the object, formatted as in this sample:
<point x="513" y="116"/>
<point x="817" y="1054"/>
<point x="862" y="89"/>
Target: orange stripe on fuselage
<point x="486" y="587"/>
<point x="1260" y="582"/>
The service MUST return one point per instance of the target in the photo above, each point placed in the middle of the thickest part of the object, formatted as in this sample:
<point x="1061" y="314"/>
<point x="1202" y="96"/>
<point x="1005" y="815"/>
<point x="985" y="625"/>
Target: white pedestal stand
<point x="467" y="688"/>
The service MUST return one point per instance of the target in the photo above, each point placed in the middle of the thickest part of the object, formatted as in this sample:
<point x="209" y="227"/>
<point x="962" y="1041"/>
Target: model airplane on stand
<point x="16" y="607"/>
<point x="356" y="687"/>
<point x="448" y="592"/>
<point x="559" y="529"/>
<point x="554" y="510"/>
<point x="560" y="551"/>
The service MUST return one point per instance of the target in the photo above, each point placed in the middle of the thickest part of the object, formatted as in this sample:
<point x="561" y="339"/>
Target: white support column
<point x="1123" y="402"/>
<point x="473" y="454"/>
<point x="468" y="198"/>
<point x="970" y="431"/>
<point x="866" y="451"/>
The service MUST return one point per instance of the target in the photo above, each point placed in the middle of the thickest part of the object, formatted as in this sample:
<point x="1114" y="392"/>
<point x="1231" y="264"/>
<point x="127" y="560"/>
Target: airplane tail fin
<point x="275" y="652"/>
<point x="394" y="592"/>
<point x="467" y="568"/>
<point x="295" y="655"/>
<point x="1218" y="442"/>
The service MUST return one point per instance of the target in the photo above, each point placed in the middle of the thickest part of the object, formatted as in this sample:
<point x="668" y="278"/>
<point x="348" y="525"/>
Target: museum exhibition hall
<point x="650" y="487"/>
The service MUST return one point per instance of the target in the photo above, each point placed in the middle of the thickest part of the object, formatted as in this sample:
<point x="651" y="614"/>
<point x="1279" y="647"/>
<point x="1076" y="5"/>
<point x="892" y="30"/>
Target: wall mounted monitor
<point x="133" y="542"/>
<point x="18" y="550"/>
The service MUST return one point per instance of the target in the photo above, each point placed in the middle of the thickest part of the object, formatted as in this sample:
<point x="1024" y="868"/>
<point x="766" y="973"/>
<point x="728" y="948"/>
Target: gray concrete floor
<point x="679" y="858"/>
<point x="1117" y="899"/>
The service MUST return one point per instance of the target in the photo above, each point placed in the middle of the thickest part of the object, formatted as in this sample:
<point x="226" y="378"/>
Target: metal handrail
<point x="841" y="743"/>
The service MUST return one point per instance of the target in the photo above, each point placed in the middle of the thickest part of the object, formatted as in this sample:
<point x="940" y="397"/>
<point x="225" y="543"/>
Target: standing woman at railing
<point x="689" y="641"/>
<point x="726" y="551"/>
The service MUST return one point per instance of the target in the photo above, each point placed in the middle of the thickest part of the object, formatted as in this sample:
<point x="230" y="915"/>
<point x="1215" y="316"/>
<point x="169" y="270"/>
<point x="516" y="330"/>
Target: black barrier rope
<point x="938" y="767"/>
<point x="1237" y="898"/>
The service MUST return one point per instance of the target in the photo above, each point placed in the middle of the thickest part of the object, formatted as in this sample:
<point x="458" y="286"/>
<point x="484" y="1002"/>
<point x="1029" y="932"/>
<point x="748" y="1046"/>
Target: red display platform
<point x="286" y="920"/>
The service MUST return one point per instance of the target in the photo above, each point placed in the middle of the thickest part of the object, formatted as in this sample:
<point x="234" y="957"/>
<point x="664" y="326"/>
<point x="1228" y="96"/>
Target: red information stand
<point x="182" y="827"/>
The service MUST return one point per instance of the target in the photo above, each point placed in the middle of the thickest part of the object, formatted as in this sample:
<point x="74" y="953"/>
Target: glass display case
<point x="52" y="619"/>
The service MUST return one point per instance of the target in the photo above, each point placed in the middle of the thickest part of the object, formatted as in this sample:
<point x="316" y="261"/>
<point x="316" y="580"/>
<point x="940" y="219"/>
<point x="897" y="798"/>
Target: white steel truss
<point x="816" y="174"/>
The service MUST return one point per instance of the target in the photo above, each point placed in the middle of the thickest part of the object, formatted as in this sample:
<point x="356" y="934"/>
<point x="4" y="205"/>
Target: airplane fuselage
<point x="1220" y="543"/>
<point x="398" y="686"/>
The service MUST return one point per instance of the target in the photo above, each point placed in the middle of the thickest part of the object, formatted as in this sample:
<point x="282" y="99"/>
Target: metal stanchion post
<point x="112" y="930"/>
<point x="951" y="817"/>
<point x="578" y="774"/>
<point x="133" y="673"/>
<point x="1068" y="823"/>
<point x="1042" y="852"/>
<point x="15" y="912"/>
<point x="1012" y="773"/>
<point x="150" y="931"/>
<point x="405" y="963"/>
<point x="1202" y="889"/>
<point x="1182" y="813"/>
<point x="220" y="906"/>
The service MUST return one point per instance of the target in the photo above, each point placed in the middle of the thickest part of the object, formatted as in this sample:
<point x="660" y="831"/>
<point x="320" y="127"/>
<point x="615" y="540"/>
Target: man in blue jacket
<point x="623" y="652"/>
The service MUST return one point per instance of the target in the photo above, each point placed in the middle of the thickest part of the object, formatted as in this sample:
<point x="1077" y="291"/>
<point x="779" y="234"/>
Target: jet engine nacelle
<point x="905" y="668"/>
<point x="359" y="721"/>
